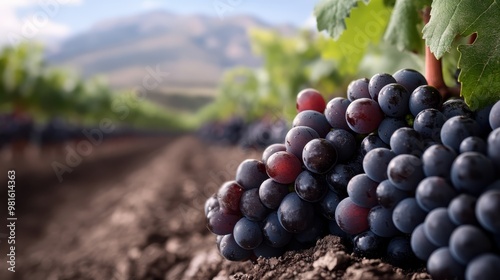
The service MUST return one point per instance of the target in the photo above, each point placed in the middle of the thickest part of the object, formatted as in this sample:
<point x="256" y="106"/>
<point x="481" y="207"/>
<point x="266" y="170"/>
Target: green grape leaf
<point x="365" y="28"/>
<point x="331" y="15"/>
<point x="480" y="62"/>
<point x="402" y="30"/>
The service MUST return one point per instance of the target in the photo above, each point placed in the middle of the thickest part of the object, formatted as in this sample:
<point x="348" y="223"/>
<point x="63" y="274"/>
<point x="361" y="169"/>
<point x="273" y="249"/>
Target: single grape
<point x="310" y="99"/>
<point x="437" y="161"/>
<point x="335" y="113"/>
<point x="314" y="120"/>
<point x="370" y="142"/>
<point x="410" y="79"/>
<point x="274" y="233"/>
<point x="407" y="141"/>
<point x="393" y="100"/>
<point x="358" y="89"/>
<point x="363" y="115"/>
<point x="472" y="172"/>
<point x="441" y="265"/>
<point x="295" y="214"/>
<point x="221" y="223"/>
<point x="362" y="191"/>
<point x="230" y="250"/>
<point x="424" y="97"/>
<point x="212" y="203"/>
<point x="434" y="192"/>
<point x="494" y="117"/>
<point x="487" y="209"/>
<point x="376" y="162"/>
<point x="251" y="207"/>
<point x="462" y="210"/>
<point x="283" y="167"/>
<point x="380" y="221"/>
<point x="351" y="218"/>
<point x="388" y="126"/>
<point x="473" y="144"/>
<point x="251" y="173"/>
<point x="377" y="82"/>
<point x="405" y="172"/>
<point x="297" y="138"/>
<point x="407" y="215"/>
<point x="368" y="244"/>
<point x="310" y="187"/>
<point x="482" y="117"/>
<point x="399" y="252"/>
<point x="388" y="195"/>
<point x="456" y="107"/>
<point x="271" y="193"/>
<point x="438" y="227"/>
<point x="456" y="129"/>
<point x="484" y="267"/>
<point x="328" y="204"/>
<point x="272" y="149"/>
<point x="229" y="196"/>
<point x="247" y="234"/>
<point x="420" y="244"/>
<point x="468" y="242"/>
<point x="428" y="123"/>
<point x="339" y="177"/>
<point x="494" y="148"/>
<point x="344" y="143"/>
<point x="319" y="156"/>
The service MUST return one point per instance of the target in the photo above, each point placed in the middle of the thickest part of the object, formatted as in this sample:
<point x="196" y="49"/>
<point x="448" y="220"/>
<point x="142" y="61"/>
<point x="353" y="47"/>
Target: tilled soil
<point x="140" y="216"/>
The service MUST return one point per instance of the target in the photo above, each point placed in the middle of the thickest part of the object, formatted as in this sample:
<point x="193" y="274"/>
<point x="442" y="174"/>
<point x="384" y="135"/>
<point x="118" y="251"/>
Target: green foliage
<point x="27" y="84"/>
<point x="403" y="31"/>
<point x="479" y="62"/>
<point x="331" y="15"/>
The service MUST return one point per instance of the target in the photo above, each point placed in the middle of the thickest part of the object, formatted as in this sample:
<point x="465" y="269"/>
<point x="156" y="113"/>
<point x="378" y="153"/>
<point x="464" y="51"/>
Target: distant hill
<point x="193" y="49"/>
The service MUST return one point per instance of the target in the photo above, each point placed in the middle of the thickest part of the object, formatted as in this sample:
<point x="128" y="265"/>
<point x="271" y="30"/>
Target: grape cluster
<point x="392" y="168"/>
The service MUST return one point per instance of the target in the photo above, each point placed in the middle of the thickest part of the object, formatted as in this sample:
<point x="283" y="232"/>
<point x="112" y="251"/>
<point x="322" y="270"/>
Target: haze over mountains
<point x="193" y="49"/>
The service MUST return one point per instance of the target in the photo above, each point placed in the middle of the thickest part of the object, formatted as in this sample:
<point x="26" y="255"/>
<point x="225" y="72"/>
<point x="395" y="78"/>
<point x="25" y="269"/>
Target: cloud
<point x="38" y="23"/>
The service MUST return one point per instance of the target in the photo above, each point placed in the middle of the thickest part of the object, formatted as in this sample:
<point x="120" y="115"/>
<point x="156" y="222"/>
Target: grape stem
<point x="434" y="69"/>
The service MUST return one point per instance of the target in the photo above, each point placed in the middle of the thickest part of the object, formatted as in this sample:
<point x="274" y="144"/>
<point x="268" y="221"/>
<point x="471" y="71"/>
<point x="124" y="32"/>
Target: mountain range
<point x="194" y="49"/>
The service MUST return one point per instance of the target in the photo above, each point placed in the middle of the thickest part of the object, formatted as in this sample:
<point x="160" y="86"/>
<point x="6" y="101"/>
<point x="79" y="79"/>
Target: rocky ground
<point x="138" y="214"/>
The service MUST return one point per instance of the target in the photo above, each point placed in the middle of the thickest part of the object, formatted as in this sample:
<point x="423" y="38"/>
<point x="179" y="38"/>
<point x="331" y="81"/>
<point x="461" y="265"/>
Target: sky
<point x="54" y="20"/>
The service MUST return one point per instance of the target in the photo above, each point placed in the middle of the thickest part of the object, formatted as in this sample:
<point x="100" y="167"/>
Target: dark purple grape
<point x="462" y="210"/>
<point x="335" y="113"/>
<point x="441" y="265"/>
<point x="393" y="100"/>
<point x="344" y="143"/>
<point x="221" y="223"/>
<point x="468" y="242"/>
<point x="271" y="150"/>
<point x="388" y="195"/>
<point x="328" y="204"/>
<point x="487" y="209"/>
<point x="388" y="126"/>
<point x="456" y="107"/>
<point x="364" y="115"/>
<point x="399" y="252"/>
<point x="297" y="138"/>
<point x="494" y="117"/>
<point x="424" y="97"/>
<point x="251" y="173"/>
<point x="310" y="187"/>
<point x="211" y="204"/>
<point x="295" y="214"/>
<point x="437" y="161"/>
<point x="380" y="221"/>
<point x="407" y="141"/>
<point x="428" y="123"/>
<point x="438" y="227"/>
<point x="283" y="167"/>
<point x="312" y="233"/>
<point x="377" y="82"/>
<point x="485" y="267"/>
<point x="407" y="215"/>
<point x="310" y="99"/>
<point x="358" y="89"/>
<point x="376" y="162"/>
<point x="339" y="177"/>
<point x="405" y="172"/>
<point x="350" y="217"/>
<point x="319" y="156"/>
<point x="494" y="148"/>
<point x="229" y="196"/>
<point x="456" y="129"/>
<point x="251" y="207"/>
<point x="370" y="142"/>
<point x="472" y="172"/>
<point x="247" y="234"/>
<point x="482" y="117"/>
<point x="420" y="244"/>
<point x="473" y="144"/>
<point x="230" y="250"/>
<point x="314" y="120"/>
<point x="434" y="192"/>
<point x="271" y="193"/>
<point x="274" y="233"/>
<point x="368" y="244"/>
<point x="410" y="79"/>
<point x="363" y="191"/>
